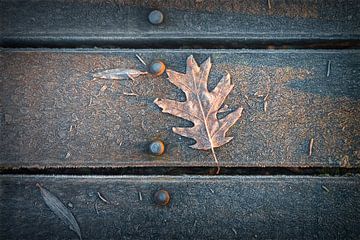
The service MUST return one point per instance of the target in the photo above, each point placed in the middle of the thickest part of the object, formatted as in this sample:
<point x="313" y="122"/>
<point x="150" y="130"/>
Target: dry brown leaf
<point x="60" y="210"/>
<point x="119" y="74"/>
<point x="201" y="106"/>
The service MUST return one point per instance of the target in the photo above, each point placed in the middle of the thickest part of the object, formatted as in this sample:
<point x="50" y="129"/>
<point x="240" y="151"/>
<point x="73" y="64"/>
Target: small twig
<point x="140" y="196"/>
<point x="265" y="105"/>
<point x="103" y="88"/>
<point x="140" y="59"/>
<point x="267" y="95"/>
<point x="257" y="94"/>
<point x="325" y="188"/>
<point x="328" y="68"/>
<point x="211" y="190"/>
<point x="233" y="229"/>
<point x="102" y="198"/>
<point x="130" y="94"/>
<point x="96" y="209"/>
<point x="269" y="4"/>
<point x="142" y="125"/>
<point x="311" y="146"/>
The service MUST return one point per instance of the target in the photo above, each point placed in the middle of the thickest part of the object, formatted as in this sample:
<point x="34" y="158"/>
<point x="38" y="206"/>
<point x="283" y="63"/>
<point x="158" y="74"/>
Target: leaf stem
<point x="215" y="158"/>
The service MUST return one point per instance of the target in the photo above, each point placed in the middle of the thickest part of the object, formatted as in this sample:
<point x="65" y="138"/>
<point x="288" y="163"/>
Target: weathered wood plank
<point x="55" y="115"/>
<point x="63" y="22"/>
<point x="200" y="207"/>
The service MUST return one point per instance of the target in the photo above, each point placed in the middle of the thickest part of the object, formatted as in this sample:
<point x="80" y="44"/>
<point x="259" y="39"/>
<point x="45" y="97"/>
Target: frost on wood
<point x="201" y="106"/>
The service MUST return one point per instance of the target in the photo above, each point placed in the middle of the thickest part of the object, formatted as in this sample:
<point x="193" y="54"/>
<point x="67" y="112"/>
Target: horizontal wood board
<point x="200" y="207"/>
<point x="53" y="114"/>
<point x="101" y="22"/>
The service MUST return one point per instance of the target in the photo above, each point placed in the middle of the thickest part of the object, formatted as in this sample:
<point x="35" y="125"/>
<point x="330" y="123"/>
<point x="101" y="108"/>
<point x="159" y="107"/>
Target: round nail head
<point x="157" y="68"/>
<point x="162" y="197"/>
<point x="157" y="147"/>
<point x="156" y="17"/>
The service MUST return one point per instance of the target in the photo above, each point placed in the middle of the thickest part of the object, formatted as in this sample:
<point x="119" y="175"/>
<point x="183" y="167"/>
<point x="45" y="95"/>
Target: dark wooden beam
<point x="54" y="115"/>
<point x="186" y="22"/>
<point x="200" y="207"/>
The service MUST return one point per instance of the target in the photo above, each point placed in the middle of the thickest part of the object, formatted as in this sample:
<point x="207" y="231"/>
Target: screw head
<point x="157" y="68"/>
<point x="156" y="17"/>
<point x="162" y="197"/>
<point x="157" y="147"/>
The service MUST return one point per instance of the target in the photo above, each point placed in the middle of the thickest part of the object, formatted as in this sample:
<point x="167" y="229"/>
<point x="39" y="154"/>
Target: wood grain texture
<point x="54" y="115"/>
<point x="99" y="22"/>
<point x="200" y="207"/>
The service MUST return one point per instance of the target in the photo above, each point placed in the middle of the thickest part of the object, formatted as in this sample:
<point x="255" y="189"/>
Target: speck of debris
<point x="235" y="232"/>
<point x="357" y="154"/>
<point x="140" y="196"/>
<point x="70" y="205"/>
<point x="8" y="118"/>
<point x="68" y="154"/>
<point x="62" y="134"/>
<point x="103" y="88"/>
<point x="345" y="161"/>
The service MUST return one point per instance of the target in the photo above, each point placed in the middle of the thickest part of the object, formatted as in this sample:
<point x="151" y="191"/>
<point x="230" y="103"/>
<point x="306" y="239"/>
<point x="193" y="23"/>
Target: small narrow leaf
<point x="60" y="210"/>
<point x="201" y="106"/>
<point x="119" y="74"/>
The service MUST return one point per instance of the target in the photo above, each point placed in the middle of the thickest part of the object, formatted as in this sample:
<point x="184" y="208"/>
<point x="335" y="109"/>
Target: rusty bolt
<point x="157" y="147"/>
<point x="162" y="197"/>
<point x="157" y="68"/>
<point x="156" y="17"/>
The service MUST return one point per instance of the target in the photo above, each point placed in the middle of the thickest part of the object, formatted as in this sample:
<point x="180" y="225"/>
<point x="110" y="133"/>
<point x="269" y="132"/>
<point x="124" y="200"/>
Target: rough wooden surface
<point x="54" y="115"/>
<point x="200" y="207"/>
<point x="99" y="22"/>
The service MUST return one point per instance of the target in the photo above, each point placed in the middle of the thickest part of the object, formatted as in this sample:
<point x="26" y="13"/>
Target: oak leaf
<point x="201" y="106"/>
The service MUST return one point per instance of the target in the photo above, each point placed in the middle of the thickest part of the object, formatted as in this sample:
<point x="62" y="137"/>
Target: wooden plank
<point x="124" y="22"/>
<point x="250" y="207"/>
<point x="55" y="115"/>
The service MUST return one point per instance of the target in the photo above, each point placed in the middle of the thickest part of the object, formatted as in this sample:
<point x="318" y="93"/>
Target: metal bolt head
<point x="157" y="147"/>
<point x="162" y="197"/>
<point x="156" y="17"/>
<point x="157" y="68"/>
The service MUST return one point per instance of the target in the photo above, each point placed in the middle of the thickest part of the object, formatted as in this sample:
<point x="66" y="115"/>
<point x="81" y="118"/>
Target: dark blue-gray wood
<point x="186" y="22"/>
<point x="200" y="207"/>
<point x="54" y="115"/>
